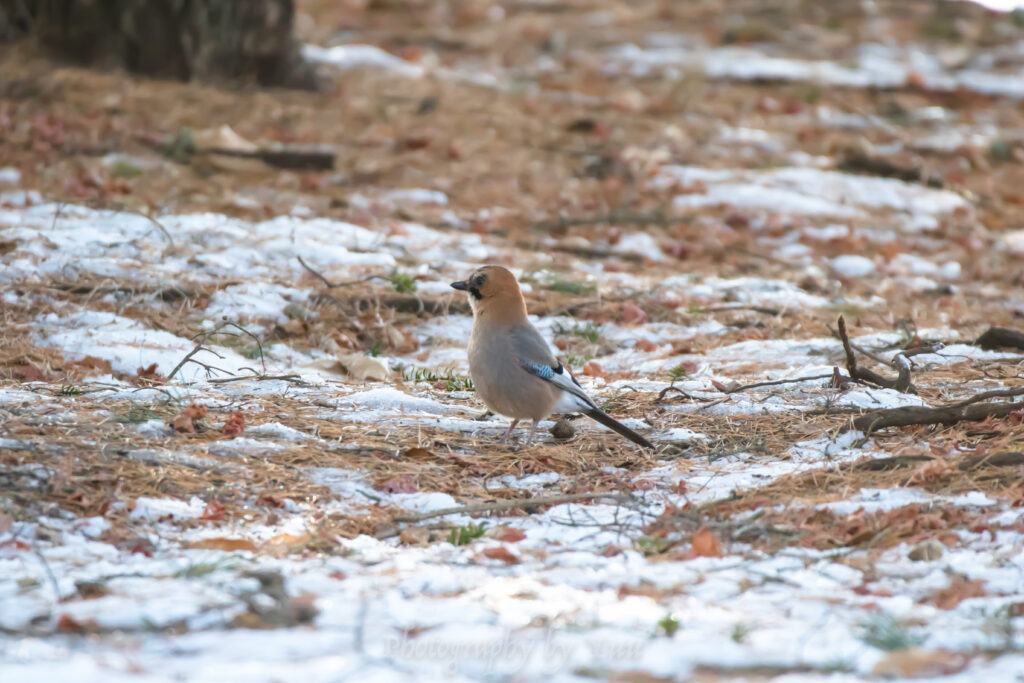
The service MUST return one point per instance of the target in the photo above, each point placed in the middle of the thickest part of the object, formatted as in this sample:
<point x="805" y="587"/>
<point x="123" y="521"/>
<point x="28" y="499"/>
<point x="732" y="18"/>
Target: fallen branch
<point x="664" y="392"/>
<point x="855" y="161"/>
<point x="614" y="217"/>
<point x="1006" y="459"/>
<point x="1000" y="337"/>
<point x="901" y="384"/>
<point x="739" y="307"/>
<point x="906" y="416"/>
<point x="776" y="382"/>
<point x="885" y="464"/>
<point x="295" y="379"/>
<point x="511" y="504"/>
<point x="583" y="252"/>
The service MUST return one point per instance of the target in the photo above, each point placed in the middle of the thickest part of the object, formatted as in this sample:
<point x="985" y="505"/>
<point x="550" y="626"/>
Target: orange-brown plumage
<point x="512" y="366"/>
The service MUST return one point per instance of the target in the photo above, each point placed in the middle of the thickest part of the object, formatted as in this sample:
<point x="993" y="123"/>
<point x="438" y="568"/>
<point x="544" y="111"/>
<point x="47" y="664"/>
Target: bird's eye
<point x="479" y="280"/>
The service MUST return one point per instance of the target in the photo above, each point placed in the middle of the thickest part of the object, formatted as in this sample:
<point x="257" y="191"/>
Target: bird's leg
<point x="533" y="430"/>
<point x="508" y="432"/>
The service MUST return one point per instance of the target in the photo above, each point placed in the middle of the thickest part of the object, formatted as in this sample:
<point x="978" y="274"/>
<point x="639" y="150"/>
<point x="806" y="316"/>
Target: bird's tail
<point x="616" y="426"/>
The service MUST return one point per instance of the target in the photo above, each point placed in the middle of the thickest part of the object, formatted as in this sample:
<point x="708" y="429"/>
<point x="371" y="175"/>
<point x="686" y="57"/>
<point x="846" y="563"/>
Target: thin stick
<point x="260" y="378"/>
<point x="776" y="382"/>
<point x="901" y="384"/>
<point x="330" y="284"/>
<point x="995" y="393"/>
<point x="316" y="273"/>
<point x="160" y="225"/>
<point x="512" y="503"/>
<point x="187" y="358"/>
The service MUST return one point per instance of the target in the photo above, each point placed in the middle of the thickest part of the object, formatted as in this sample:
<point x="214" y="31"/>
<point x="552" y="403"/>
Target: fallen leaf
<point x="506" y="534"/>
<point x="234" y="425"/>
<point x="91" y="590"/>
<point x="27" y="373"/>
<point x="362" y="367"/>
<point x="916" y="662"/>
<point x="592" y="369"/>
<point x="185" y="420"/>
<point x="926" y="551"/>
<point x="149" y="376"/>
<point x="402" y="484"/>
<point x="501" y="553"/>
<point x="417" y="453"/>
<point x="931" y="472"/>
<point x="67" y="624"/>
<point x="267" y="500"/>
<point x="214" y="511"/>
<point x="706" y="543"/>
<point x="916" y="80"/>
<point x="633" y="314"/>
<point x="960" y="588"/>
<point x="285" y="544"/>
<point x="645" y="345"/>
<point x="93" y="363"/>
<point x="223" y="138"/>
<point x="414" y="535"/>
<point x="223" y="544"/>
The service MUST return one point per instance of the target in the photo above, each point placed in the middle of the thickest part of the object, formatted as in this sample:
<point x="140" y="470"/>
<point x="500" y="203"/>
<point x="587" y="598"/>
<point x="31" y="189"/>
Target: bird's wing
<point x="535" y="357"/>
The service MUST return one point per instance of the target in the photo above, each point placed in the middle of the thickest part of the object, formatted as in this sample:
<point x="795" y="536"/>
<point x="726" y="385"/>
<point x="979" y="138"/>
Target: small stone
<point x="563" y="430"/>
<point x="926" y="551"/>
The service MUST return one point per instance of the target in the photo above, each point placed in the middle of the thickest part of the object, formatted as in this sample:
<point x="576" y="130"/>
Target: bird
<point x="511" y="365"/>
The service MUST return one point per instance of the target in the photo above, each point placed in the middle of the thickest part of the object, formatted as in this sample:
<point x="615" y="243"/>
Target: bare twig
<point x="318" y="275"/>
<point x="776" y="382"/>
<point x="259" y="378"/>
<point x="739" y="307"/>
<point x="615" y="217"/>
<point x="187" y="358"/>
<point x="315" y="273"/>
<point x="202" y="337"/>
<point x="664" y="392"/>
<point x="513" y="503"/>
<point x="158" y="224"/>
<point x="901" y="383"/>
<point x="985" y="395"/>
<point x="905" y="416"/>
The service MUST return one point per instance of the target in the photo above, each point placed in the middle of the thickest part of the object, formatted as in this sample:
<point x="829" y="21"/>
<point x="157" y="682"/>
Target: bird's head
<point x="494" y="293"/>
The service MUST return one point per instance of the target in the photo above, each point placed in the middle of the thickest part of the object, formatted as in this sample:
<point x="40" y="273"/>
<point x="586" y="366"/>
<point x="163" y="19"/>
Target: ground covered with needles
<point x="238" y="440"/>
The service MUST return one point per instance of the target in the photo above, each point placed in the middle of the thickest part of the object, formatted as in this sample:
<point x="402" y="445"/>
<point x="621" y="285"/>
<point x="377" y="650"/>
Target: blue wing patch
<point x="542" y="371"/>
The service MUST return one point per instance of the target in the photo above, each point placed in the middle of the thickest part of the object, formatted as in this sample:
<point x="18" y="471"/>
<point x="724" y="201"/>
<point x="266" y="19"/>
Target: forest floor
<point x="238" y="440"/>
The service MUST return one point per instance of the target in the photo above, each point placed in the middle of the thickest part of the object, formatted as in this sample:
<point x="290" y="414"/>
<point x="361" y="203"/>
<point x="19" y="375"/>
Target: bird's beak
<point x="461" y="286"/>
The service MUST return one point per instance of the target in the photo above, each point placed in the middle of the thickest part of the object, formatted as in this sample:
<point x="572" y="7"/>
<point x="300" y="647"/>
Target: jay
<point x="510" y="363"/>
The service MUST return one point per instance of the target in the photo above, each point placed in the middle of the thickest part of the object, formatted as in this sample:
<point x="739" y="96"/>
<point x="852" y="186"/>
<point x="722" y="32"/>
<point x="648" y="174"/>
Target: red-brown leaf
<point x="706" y="543"/>
<point x="501" y="553"/>
<point x="234" y="425"/>
<point x="214" y="511"/>
<point x="633" y="314"/>
<point x="402" y="484"/>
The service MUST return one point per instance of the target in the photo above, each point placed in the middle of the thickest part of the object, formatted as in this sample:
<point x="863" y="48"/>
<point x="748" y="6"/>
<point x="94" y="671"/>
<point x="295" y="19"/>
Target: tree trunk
<point x="181" y="39"/>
